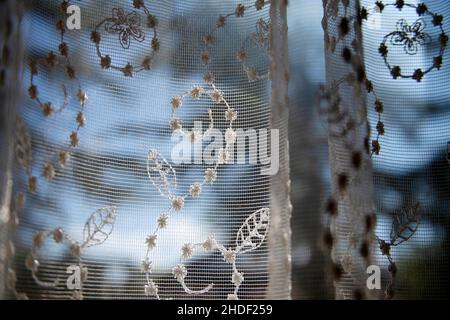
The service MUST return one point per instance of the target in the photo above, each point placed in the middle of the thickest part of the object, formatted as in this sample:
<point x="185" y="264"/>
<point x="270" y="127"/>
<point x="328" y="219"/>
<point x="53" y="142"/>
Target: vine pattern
<point x="250" y="236"/>
<point x="23" y="153"/>
<point x="404" y="225"/>
<point x="23" y="140"/>
<point x="163" y="176"/>
<point x="411" y="37"/>
<point x="258" y="39"/>
<point x="96" y="231"/>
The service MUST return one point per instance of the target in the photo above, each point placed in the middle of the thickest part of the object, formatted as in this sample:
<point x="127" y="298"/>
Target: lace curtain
<point x="148" y="148"/>
<point x="104" y="182"/>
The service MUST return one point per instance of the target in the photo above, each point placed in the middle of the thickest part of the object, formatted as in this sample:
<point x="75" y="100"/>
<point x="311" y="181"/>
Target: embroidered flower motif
<point x="177" y="203"/>
<point x="229" y="256"/>
<point x="151" y="289"/>
<point x="82" y="97"/>
<point x="38" y="239"/>
<point x="179" y="272"/>
<point x="147" y="63"/>
<point x="237" y="278"/>
<point x="259" y="4"/>
<point x="32" y="264"/>
<point x="205" y="57"/>
<point x="138" y="3"/>
<point x="208" y="39"/>
<point x="216" y="96"/>
<point x="49" y="172"/>
<point x="209" y="244"/>
<point x="63" y="49"/>
<point x="208" y="77"/>
<point x="152" y="21"/>
<point x="81" y="119"/>
<point x="186" y="251"/>
<point x="58" y="235"/>
<point x="175" y="124"/>
<point x="150" y="241"/>
<point x="196" y="92"/>
<point x="33" y="92"/>
<point x="195" y="190"/>
<point x="95" y="37"/>
<point x="105" y="62"/>
<point x="176" y="102"/>
<point x="396" y="72"/>
<point x="155" y="44"/>
<point x="32" y="184"/>
<point x="47" y="109"/>
<point x="74" y="140"/>
<point x="63" y="158"/>
<point x="410" y="36"/>
<point x="146" y="266"/>
<point x="418" y="75"/>
<point x="241" y="55"/>
<point x="210" y="175"/>
<point x="220" y="23"/>
<point x="240" y="10"/>
<point x="127" y="26"/>
<point x="128" y="70"/>
<point x="230" y="115"/>
<point x="162" y="221"/>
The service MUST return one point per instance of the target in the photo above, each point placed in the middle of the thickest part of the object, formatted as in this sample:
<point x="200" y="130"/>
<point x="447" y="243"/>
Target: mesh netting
<point x="395" y="72"/>
<point x="88" y="153"/>
<point x="100" y="114"/>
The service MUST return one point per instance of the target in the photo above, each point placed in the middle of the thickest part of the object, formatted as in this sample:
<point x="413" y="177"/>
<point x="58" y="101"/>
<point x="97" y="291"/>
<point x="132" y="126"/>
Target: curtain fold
<point x="280" y="233"/>
<point x="10" y="80"/>
<point x="348" y="237"/>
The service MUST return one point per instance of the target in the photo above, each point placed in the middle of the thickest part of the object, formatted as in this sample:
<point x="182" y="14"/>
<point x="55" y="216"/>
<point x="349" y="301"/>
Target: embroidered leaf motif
<point x="161" y="174"/>
<point x="253" y="232"/>
<point x="404" y="225"/>
<point x="99" y="227"/>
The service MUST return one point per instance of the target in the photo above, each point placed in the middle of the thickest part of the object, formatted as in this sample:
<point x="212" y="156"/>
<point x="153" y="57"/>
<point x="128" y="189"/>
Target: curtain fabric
<point x="224" y="149"/>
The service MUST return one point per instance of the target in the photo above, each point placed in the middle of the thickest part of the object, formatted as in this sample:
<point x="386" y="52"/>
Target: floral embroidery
<point x="97" y="230"/>
<point x="410" y="36"/>
<point x="23" y="142"/>
<point x="127" y="26"/>
<point x="259" y="40"/>
<point x="250" y="236"/>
